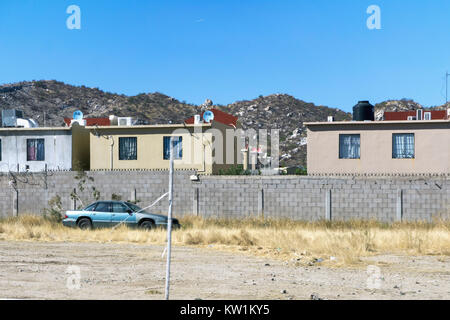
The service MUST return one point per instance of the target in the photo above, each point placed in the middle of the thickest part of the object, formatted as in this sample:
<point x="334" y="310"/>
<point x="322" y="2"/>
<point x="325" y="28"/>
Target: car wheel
<point x="147" y="225"/>
<point x="85" y="224"/>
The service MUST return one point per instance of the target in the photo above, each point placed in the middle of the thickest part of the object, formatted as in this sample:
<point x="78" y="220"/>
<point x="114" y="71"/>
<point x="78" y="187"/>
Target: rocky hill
<point x="49" y="101"/>
<point x="60" y="100"/>
<point x="401" y="105"/>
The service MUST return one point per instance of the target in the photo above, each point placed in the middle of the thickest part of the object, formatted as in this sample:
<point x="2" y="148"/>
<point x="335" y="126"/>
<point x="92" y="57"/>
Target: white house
<point x="39" y="149"/>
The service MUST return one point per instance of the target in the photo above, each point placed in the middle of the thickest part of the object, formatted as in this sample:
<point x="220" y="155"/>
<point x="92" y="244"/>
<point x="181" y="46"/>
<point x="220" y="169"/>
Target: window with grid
<point x="349" y="146"/>
<point x="128" y="148"/>
<point x="403" y="146"/>
<point x="177" y="148"/>
<point x="35" y="150"/>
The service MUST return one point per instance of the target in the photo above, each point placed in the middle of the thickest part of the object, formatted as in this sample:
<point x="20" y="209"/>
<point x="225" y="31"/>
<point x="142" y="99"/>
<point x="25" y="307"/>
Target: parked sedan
<point x="110" y="213"/>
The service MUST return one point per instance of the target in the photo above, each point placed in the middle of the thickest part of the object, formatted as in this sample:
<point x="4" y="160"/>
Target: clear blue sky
<point x="320" y="51"/>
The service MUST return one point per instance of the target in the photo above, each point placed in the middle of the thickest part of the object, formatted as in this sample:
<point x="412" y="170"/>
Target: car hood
<point x="160" y="216"/>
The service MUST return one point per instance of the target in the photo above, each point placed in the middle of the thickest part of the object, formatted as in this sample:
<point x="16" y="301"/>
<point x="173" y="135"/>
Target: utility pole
<point x="169" y="222"/>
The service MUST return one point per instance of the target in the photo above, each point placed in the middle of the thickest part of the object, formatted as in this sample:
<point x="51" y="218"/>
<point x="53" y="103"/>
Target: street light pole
<point x="169" y="222"/>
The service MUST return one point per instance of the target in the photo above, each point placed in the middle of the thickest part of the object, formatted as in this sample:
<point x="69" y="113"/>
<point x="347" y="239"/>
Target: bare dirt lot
<point x="37" y="270"/>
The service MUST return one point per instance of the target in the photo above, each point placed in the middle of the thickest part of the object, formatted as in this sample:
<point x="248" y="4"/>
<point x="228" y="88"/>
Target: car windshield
<point x="135" y="208"/>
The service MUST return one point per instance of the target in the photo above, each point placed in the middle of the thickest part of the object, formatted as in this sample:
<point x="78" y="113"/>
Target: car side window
<point x="91" y="207"/>
<point x="102" y="207"/>
<point x="119" y="207"/>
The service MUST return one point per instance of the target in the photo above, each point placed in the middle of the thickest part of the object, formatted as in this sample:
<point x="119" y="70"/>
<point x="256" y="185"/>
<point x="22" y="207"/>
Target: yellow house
<point x="201" y="147"/>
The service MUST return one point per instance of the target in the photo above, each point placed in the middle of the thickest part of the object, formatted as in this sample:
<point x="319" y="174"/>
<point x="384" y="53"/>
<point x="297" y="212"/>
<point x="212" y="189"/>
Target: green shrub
<point x="237" y="170"/>
<point x="55" y="212"/>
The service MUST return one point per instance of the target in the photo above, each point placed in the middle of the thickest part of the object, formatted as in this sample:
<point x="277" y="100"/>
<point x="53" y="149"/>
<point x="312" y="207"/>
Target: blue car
<point x="103" y="214"/>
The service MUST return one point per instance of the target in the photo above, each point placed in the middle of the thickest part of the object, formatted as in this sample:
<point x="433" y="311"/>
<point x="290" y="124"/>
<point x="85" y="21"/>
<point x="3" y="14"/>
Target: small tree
<point x="116" y="197"/>
<point x="82" y="178"/>
<point x="54" y="213"/>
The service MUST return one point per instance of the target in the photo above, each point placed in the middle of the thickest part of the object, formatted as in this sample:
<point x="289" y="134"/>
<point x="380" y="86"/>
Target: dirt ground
<point x="37" y="270"/>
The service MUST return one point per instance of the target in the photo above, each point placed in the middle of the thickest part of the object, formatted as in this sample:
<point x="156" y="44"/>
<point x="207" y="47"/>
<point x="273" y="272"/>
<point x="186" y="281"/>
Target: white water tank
<point x="125" y="121"/>
<point x="81" y="122"/>
<point x="26" y="123"/>
<point x="197" y="119"/>
<point x="113" y="120"/>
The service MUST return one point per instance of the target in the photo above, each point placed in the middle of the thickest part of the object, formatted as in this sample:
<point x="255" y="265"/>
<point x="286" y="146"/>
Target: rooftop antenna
<point x="446" y="87"/>
<point x="206" y="105"/>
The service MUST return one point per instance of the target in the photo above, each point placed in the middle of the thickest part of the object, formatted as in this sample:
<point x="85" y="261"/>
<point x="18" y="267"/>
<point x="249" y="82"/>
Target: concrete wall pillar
<point x="261" y="203"/>
<point x="133" y="195"/>
<point x="15" y="202"/>
<point x="328" y="205"/>
<point x="399" y="215"/>
<point x="195" y="202"/>
<point x="74" y="199"/>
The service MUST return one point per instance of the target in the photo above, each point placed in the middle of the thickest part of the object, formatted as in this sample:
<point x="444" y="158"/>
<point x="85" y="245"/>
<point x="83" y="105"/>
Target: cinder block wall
<point x="295" y="197"/>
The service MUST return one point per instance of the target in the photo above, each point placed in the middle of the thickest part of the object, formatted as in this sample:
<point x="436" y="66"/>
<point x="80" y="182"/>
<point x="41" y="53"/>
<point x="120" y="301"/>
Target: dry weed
<point x="301" y="242"/>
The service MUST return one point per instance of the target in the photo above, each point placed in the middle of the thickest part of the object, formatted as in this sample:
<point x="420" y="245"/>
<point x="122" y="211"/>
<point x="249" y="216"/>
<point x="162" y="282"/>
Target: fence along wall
<point x="294" y="197"/>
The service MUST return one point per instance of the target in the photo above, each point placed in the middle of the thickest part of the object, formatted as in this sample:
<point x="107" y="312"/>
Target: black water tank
<point x="363" y="111"/>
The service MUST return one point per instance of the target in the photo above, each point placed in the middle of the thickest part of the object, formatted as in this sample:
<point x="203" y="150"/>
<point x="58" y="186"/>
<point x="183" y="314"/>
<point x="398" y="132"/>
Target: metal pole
<point x="446" y="87"/>
<point x="111" y="152"/>
<point x="169" y="224"/>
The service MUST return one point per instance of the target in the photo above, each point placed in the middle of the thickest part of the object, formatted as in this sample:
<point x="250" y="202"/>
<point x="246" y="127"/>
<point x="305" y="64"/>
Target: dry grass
<point x="299" y="242"/>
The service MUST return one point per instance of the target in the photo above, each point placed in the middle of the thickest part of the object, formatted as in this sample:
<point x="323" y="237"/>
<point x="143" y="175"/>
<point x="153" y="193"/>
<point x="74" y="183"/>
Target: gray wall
<point x="58" y="150"/>
<point x="300" y="198"/>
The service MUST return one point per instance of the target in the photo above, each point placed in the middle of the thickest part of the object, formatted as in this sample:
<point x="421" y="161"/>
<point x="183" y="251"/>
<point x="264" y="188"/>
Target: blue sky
<point x="320" y="51"/>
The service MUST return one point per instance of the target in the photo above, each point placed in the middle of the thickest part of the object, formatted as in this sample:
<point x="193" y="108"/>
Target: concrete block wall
<point x="301" y="198"/>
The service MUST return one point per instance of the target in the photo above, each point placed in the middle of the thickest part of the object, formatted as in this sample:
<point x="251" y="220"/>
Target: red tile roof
<point x="91" y="121"/>
<point x="403" y="115"/>
<point x="219" y="116"/>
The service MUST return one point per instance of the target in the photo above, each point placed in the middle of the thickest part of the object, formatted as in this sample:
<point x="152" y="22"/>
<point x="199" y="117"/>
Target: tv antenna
<point x="446" y="87"/>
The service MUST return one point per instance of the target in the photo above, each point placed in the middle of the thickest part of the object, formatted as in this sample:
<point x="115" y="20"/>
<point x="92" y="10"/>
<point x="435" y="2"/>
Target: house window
<point x="427" y="116"/>
<point x="128" y="148"/>
<point x="349" y="146"/>
<point x="0" y="149"/>
<point x="403" y="146"/>
<point x="177" y="148"/>
<point x="35" y="150"/>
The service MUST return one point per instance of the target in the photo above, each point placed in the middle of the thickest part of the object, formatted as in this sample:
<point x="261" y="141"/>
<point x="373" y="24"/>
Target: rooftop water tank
<point x="363" y="111"/>
<point x="9" y="117"/>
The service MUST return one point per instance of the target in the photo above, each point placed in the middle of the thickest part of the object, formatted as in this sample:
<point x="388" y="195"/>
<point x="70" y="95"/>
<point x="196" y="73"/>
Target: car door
<point x="101" y="216"/>
<point x="119" y="214"/>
